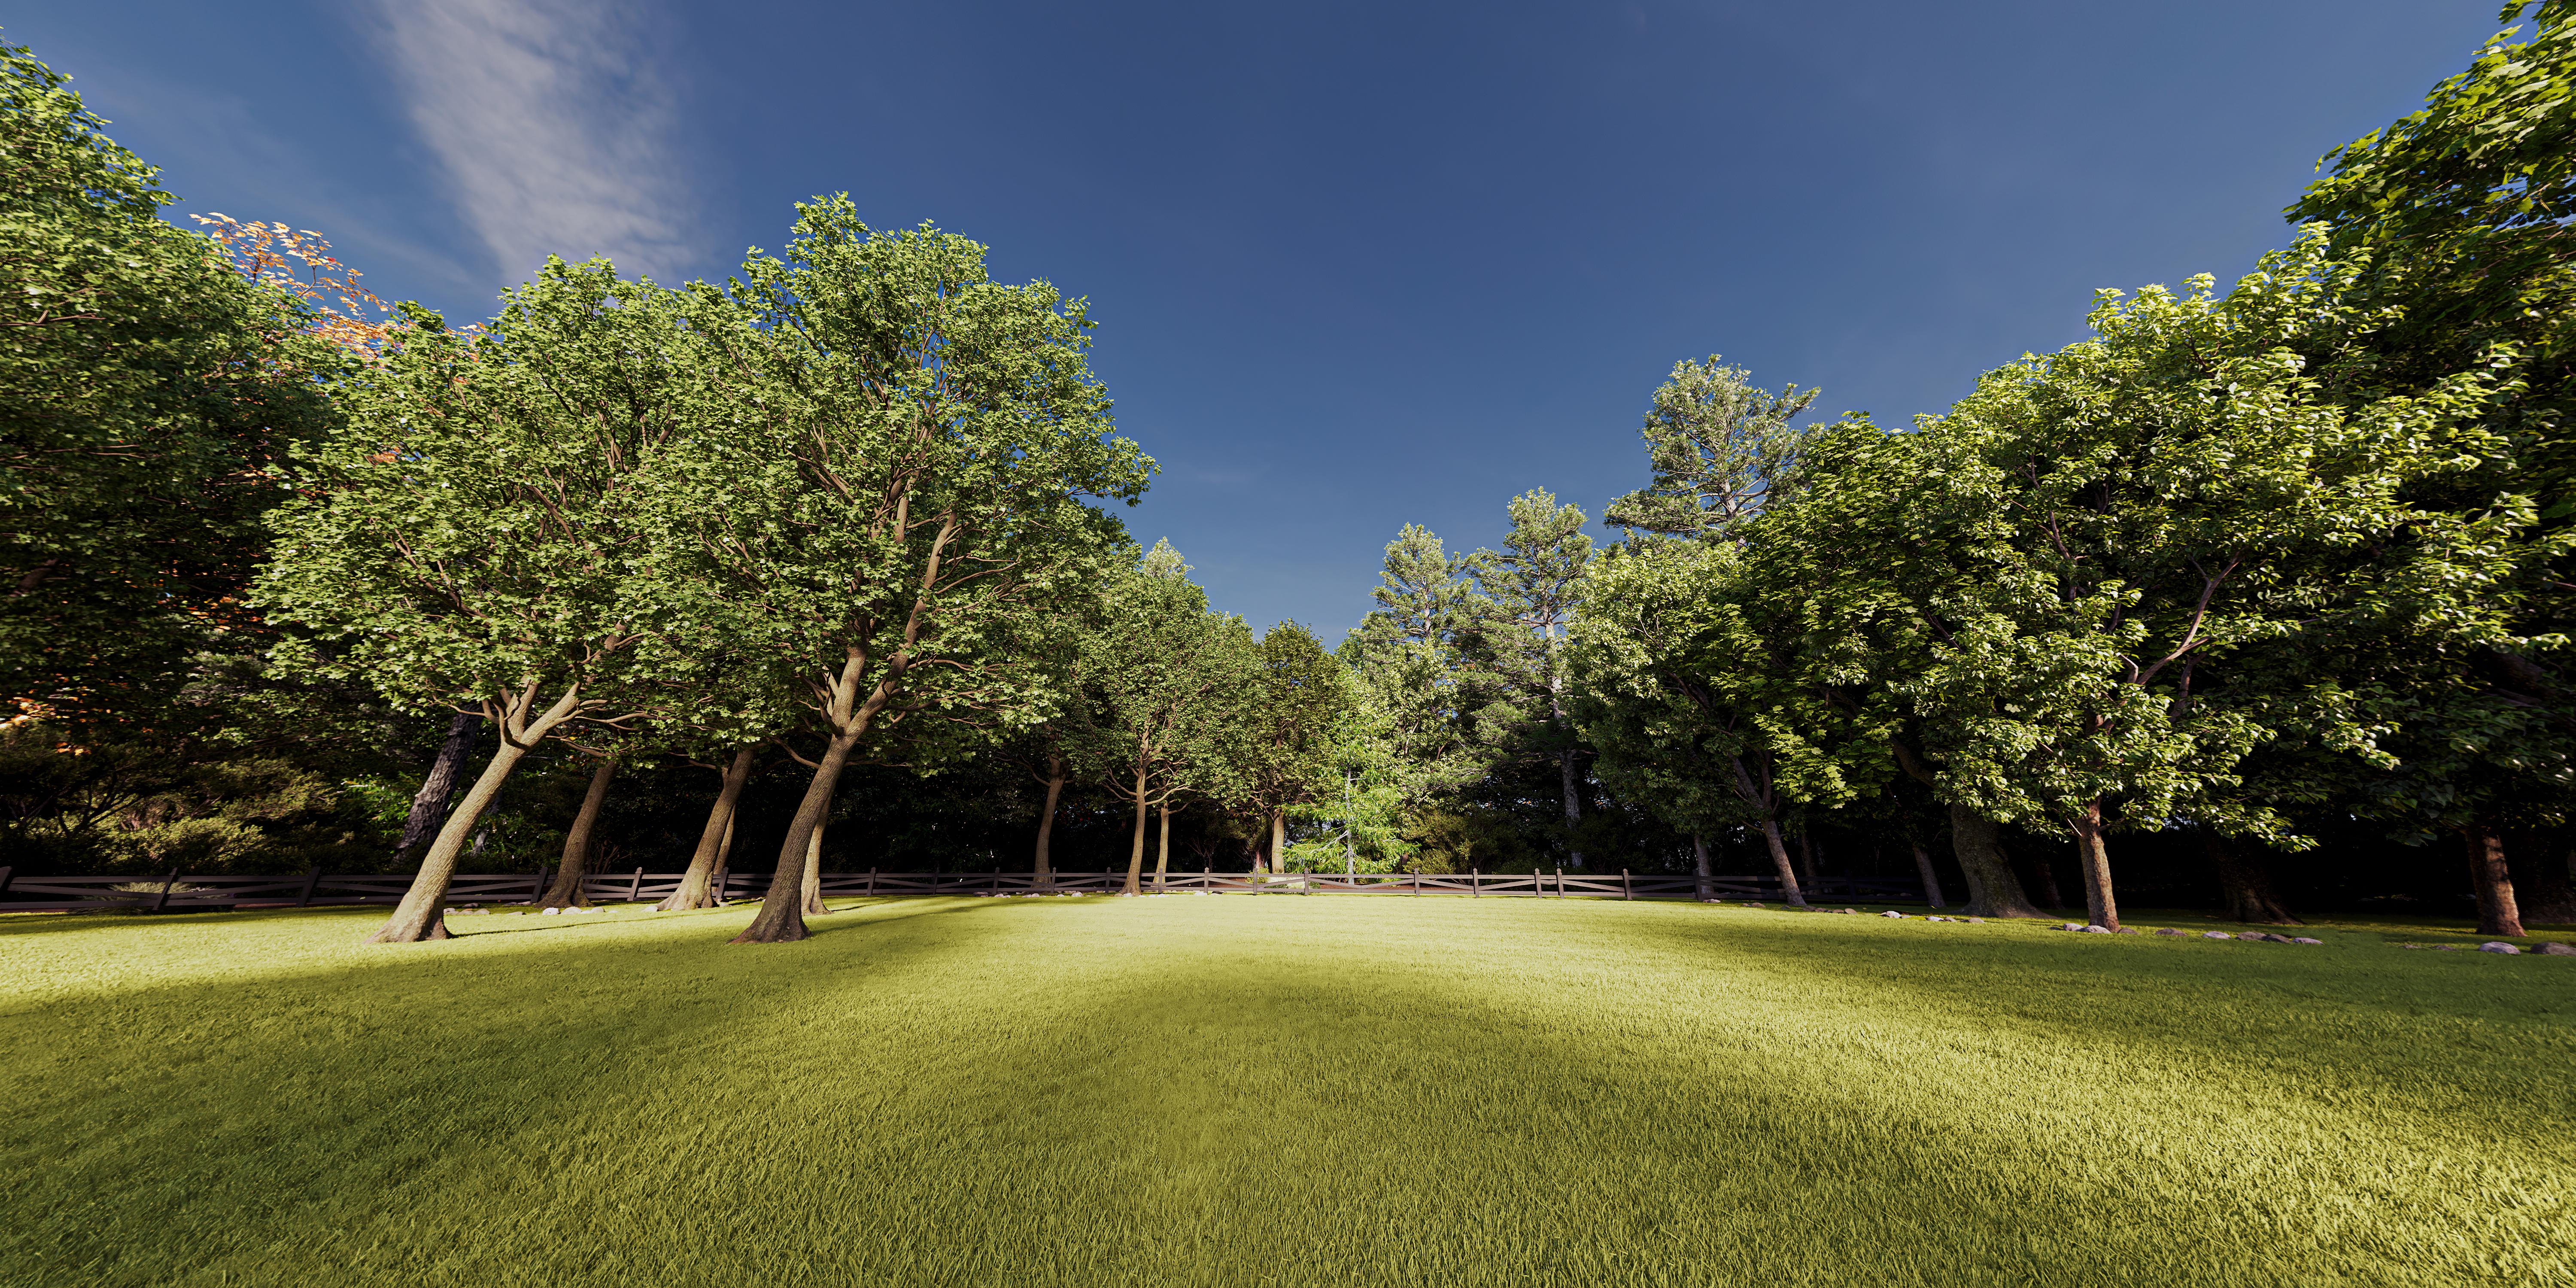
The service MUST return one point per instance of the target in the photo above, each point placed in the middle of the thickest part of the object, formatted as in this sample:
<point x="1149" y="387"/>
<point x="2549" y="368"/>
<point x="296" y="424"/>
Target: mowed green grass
<point x="1278" y="1090"/>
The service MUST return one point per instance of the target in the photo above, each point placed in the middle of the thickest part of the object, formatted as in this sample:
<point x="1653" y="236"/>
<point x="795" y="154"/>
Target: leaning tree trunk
<point x="2497" y="913"/>
<point x="695" y="891"/>
<point x="1278" y="839"/>
<point x="1780" y="860"/>
<point x="429" y="804"/>
<point x="810" y="891"/>
<point x="782" y="909"/>
<point x="1163" y="851"/>
<point x="567" y="891"/>
<point x="724" y="855"/>
<point x="1699" y="863"/>
<point x="1923" y="869"/>
<point x="2101" y="905"/>
<point x="422" y="913"/>
<point x="1136" y="851"/>
<point x="1807" y="856"/>
<point x="2244" y="887"/>
<point x="1046" y="825"/>
<point x="1573" y="805"/>
<point x="1993" y="890"/>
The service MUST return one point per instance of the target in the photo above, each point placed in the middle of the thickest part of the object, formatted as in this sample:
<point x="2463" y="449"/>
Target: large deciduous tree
<point x="476" y="539"/>
<point x="899" y="486"/>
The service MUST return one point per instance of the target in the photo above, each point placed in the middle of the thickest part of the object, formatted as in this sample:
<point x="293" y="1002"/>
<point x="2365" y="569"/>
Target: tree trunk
<point x="1163" y="850"/>
<point x="810" y="891"/>
<point x="566" y="891"/>
<point x="694" y="891"/>
<point x="1780" y="860"/>
<point x="1573" y="805"/>
<point x="1278" y="839"/>
<point x="724" y="856"/>
<point x="429" y="804"/>
<point x="2040" y="867"/>
<point x="1046" y="824"/>
<point x="2244" y="888"/>
<point x="1806" y="856"/>
<point x="1699" y="863"/>
<point x="422" y="913"/>
<point x="1923" y="869"/>
<point x="1136" y="851"/>
<point x="2540" y="885"/>
<point x="782" y="909"/>
<point x="2101" y="904"/>
<point x="1993" y="890"/>
<point x="2497" y="914"/>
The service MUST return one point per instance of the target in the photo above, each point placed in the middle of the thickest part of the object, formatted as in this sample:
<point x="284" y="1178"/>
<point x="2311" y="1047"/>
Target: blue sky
<point x="1354" y="265"/>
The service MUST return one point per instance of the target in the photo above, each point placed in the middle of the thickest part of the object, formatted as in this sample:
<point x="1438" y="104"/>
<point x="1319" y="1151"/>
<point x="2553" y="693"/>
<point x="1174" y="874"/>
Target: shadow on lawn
<point x="1223" y="1098"/>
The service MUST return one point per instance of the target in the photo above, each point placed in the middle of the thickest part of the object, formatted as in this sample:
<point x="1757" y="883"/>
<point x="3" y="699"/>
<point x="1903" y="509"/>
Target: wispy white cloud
<point x="557" y="124"/>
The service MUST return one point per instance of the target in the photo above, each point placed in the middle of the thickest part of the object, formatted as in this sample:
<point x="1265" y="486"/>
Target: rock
<point x="2278" y="939"/>
<point x="2252" y="936"/>
<point x="1751" y="903"/>
<point x="1898" y="915"/>
<point x="2216" y="934"/>
<point x="2499" y="946"/>
<point x="2071" y="925"/>
<point x="2097" y="930"/>
<point x="2303" y="939"/>
<point x="548" y="912"/>
<point x="2446" y="948"/>
<point x="1851" y="912"/>
<point x="1978" y="920"/>
<point x="2168" y="931"/>
<point x="1936" y="918"/>
<point x="2554" y="949"/>
<point x="2128" y="930"/>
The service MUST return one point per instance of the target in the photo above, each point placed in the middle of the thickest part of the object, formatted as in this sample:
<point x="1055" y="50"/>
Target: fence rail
<point x="175" y="890"/>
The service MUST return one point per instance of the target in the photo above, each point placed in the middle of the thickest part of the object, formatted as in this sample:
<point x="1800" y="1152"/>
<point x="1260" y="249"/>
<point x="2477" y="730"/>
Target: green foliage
<point x="145" y="386"/>
<point x="1720" y="450"/>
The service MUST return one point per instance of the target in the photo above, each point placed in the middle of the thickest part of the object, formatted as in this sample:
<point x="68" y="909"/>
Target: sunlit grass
<point x="1273" y="1090"/>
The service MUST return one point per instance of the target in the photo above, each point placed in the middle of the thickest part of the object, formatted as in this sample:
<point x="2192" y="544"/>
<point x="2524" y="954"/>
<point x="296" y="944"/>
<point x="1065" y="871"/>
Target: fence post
<point x="635" y="888"/>
<point x="1417" y="881"/>
<point x="311" y="879"/>
<point x="1560" y="883"/>
<point x="872" y="883"/>
<point x="538" y="890"/>
<point x="1627" y="888"/>
<point x="997" y="880"/>
<point x="1475" y="883"/>
<point x="4" y="879"/>
<point x="164" y="900"/>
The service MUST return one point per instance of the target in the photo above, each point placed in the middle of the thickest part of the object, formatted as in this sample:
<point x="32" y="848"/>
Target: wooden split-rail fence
<point x="174" y="891"/>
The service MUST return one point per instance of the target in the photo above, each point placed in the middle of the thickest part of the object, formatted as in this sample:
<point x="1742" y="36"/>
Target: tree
<point x="1719" y="449"/>
<point x="1303" y="696"/>
<point x="1176" y="684"/>
<point x="145" y="387"/>
<point x="2115" y="523"/>
<point x="2452" y="224"/>
<point x="1405" y="656"/>
<point x="471" y="540"/>
<point x="898" y="487"/>
<point x="1525" y="605"/>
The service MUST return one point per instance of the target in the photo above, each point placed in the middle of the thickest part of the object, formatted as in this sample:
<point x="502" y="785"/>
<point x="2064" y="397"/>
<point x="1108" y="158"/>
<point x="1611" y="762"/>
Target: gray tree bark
<point x="1931" y="879"/>
<point x="2497" y="912"/>
<point x="2244" y="887"/>
<point x="429" y="804"/>
<point x="1699" y="863"/>
<point x="566" y="892"/>
<point x="1780" y="860"/>
<point x="2101" y="904"/>
<point x="1993" y="890"/>
<point x="1046" y="823"/>
<point x="695" y="890"/>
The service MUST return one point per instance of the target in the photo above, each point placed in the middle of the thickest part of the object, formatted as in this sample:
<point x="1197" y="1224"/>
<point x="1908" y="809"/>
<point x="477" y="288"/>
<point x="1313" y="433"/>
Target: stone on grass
<point x="2216" y="934"/>
<point x="2252" y="936"/>
<point x="1978" y="920"/>
<point x="2499" y="946"/>
<point x="1898" y="915"/>
<point x="2278" y="939"/>
<point x="2555" y="949"/>
<point x="2128" y="930"/>
<point x="2097" y="930"/>
<point x="2168" y="931"/>
<point x="2303" y="939"/>
<point x="2446" y="948"/>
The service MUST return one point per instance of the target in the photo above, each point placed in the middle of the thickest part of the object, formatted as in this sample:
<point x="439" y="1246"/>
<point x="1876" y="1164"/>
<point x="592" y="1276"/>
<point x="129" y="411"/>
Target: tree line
<point x="2247" y="574"/>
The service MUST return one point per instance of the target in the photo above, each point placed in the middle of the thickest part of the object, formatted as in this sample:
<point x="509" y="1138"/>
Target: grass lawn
<point x="1276" y="1090"/>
